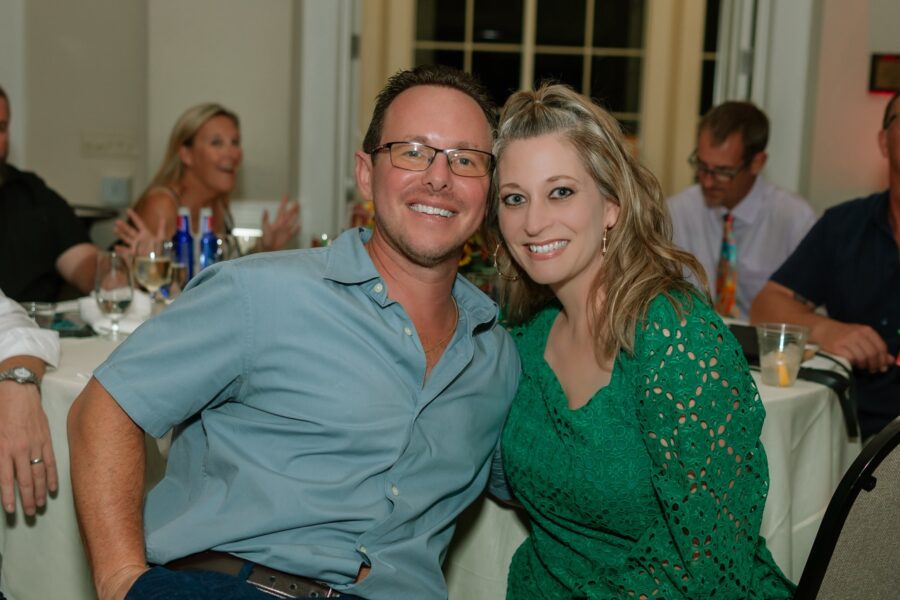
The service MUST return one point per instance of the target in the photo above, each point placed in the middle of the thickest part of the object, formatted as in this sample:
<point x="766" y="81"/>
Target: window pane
<point x="560" y="23"/>
<point x="450" y="58"/>
<point x="616" y="82"/>
<point x="711" y="27"/>
<point x="443" y="20"/>
<point x="708" y="79"/>
<point x="631" y="129"/>
<point x="561" y="68"/>
<point x="499" y="72"/>
<point x="619" y="24"/>
<point x="497" y="21"/>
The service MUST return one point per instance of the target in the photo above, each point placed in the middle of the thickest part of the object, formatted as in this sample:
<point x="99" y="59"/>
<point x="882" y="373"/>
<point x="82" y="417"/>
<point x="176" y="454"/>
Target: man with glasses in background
<point x="738" y="225"/>
<point x="335" y="408"/>
<point x="849" y="263"/>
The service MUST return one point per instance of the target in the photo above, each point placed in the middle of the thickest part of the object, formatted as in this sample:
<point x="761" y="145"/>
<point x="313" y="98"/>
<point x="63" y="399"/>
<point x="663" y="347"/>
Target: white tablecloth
<point x="808" y="451"/>
<point x="42" y="557"/>
<point x="803" y="435"/>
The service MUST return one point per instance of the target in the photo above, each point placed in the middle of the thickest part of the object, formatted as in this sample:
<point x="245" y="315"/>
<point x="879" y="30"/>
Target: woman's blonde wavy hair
<point x="186" y="127"/>
<point x="641" y="261"/>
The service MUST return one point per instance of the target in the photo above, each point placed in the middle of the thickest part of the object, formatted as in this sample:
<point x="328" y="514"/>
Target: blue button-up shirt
<point x="309" y="439"/>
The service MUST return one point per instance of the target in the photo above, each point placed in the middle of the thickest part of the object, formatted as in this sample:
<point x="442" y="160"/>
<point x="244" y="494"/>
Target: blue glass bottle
<point x="209" y="243"/>
<point x="183" y="242"/>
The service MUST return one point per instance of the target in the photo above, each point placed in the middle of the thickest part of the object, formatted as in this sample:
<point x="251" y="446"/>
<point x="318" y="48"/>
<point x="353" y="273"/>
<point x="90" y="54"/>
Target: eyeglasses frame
<point x="445" y="151"/>
<point x="720" y="174"/>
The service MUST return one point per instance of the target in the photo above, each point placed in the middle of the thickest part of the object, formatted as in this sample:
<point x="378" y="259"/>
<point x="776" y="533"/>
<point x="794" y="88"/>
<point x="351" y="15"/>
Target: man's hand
<point x="118" y="584"/>
<point x="860" y="344"/>
<point x="24" y="435"/>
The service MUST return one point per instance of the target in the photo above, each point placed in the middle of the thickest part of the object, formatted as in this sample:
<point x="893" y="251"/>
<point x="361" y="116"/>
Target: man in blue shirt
<point x="335" y="409"/>
<point x="850" y="264"/>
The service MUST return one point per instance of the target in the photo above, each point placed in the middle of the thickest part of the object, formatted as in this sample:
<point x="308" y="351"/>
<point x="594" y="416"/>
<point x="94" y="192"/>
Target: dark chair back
<point x="856" y="553"/>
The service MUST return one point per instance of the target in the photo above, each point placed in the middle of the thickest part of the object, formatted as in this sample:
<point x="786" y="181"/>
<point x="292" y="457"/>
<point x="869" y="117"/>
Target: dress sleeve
<point x="700" y="415"/>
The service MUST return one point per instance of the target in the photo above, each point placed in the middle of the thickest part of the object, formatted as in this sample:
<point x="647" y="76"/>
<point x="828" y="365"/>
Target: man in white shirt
<point x="765" y="222"/>
<point x="26" y="451"/>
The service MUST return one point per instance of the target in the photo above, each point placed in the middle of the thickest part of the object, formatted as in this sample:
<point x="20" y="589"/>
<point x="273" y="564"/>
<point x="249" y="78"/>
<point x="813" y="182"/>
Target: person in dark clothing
<point x="43" y="245"/>
<point x="849" y="263"/>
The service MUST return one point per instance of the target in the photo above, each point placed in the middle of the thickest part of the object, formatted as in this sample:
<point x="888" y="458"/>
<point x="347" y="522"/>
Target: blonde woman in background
<point x="633" y="440"/>
<point x="199" y="170"/>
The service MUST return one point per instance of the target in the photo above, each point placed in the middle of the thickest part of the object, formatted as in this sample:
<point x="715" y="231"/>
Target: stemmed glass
<point x="153" y="268"/>
<point x="113" y="288"/>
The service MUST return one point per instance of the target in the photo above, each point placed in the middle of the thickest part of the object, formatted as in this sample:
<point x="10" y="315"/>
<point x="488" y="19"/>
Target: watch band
<point x="21" y="375"/>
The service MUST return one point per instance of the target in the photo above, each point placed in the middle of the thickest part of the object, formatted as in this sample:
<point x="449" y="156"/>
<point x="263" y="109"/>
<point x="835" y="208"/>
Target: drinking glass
<point x="781" y="348"/>
<point x="179" y="280"/>
<point x="153" y="267"/>
<point x="43" y="313"/>
<point x="113" y="288"/>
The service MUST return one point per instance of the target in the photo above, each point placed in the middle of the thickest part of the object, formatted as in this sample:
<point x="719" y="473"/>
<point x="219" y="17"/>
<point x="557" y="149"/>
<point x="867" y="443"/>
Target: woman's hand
<point x="134" y="232"/>
<point x="278" y="233"/>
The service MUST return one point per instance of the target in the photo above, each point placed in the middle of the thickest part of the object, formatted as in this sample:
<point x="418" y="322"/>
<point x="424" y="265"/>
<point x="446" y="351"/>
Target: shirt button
<point x="378" y="287"/>
<point x="395" y="490"/>
<point x="407" y="331"/>
<point x="363" y="549"/>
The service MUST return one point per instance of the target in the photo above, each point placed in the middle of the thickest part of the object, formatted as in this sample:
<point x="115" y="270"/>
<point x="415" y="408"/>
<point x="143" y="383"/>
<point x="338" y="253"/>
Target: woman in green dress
<point x="633" y="441"/>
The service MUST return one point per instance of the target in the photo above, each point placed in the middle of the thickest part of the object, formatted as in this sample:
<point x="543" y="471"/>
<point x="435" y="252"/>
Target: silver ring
<point x="37" y="461"/>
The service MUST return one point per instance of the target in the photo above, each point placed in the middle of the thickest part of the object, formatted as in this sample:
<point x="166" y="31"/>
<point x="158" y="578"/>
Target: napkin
<point x="137" y="313"/>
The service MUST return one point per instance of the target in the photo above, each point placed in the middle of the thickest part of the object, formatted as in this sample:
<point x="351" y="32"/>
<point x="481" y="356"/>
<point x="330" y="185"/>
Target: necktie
<point x="726" y="274"/>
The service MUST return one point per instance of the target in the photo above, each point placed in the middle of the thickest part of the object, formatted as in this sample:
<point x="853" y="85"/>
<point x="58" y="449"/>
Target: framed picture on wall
<point x="884" y="75"/>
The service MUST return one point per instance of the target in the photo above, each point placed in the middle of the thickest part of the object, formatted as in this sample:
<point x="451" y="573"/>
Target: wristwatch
<point x="20" y="375"/>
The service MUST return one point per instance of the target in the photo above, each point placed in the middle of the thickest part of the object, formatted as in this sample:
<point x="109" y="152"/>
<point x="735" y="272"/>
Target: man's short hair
<point x="3" y="94"/>
<point x="438" y="75"/>
<point x="888" y="117"/>
<point x="737" y="117"/>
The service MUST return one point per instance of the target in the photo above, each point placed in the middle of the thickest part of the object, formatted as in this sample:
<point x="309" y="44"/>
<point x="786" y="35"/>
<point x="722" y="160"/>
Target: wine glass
<point x="113" y="289"/>
<point x="153" y="268"/>
<point x="179" y="280"/>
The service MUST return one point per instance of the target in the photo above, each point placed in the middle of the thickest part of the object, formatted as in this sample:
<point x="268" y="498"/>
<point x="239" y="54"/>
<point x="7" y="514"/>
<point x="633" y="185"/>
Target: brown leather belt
<point x="270" y="581"/>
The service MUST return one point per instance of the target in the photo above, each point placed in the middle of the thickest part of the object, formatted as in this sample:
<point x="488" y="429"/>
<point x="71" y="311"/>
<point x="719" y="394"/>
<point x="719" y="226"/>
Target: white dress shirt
<point x="768" y="224"/>
<point x="19" y="335"/>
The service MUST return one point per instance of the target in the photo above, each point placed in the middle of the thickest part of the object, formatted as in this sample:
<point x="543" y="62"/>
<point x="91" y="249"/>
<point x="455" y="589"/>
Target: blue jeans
<point x="160" y="583"/>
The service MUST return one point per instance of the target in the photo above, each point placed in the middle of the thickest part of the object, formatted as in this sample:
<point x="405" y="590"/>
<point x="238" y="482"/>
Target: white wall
<point x="82" y="73"/>
<point x="88" y="70"/>
<point x="781" y="85"/>
<point x="844" y="157"/>
<point x="237" y="53"/>
<point x="12" y="70"/>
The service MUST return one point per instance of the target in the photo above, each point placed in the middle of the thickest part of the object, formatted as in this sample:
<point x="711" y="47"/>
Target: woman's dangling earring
<point x="603" y="247"/>
<point x="497" y="266"/>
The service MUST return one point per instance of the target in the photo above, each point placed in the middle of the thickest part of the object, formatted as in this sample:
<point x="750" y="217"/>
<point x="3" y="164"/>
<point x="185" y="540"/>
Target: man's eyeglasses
<point x="413" y="156"/>
<point x="720" y="174"/>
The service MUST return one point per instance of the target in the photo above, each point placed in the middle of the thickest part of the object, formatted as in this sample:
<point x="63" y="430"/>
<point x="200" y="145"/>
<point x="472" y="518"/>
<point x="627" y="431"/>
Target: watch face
<point x="20" y="375"/>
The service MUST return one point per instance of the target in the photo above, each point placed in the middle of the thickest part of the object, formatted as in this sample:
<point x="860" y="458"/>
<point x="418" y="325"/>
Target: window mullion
<point x="529" y="42"/>
<point x="469" y="36"/>
<point x="588" y="51"/>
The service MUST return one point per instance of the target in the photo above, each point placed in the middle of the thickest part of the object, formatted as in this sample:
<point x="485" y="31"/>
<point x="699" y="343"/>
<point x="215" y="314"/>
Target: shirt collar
<point x="747" y="209"/>
<point x="350" y="264"/>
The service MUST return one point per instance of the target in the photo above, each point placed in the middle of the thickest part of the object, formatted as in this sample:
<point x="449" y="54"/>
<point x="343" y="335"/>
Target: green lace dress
<point x="656" y="487"/>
